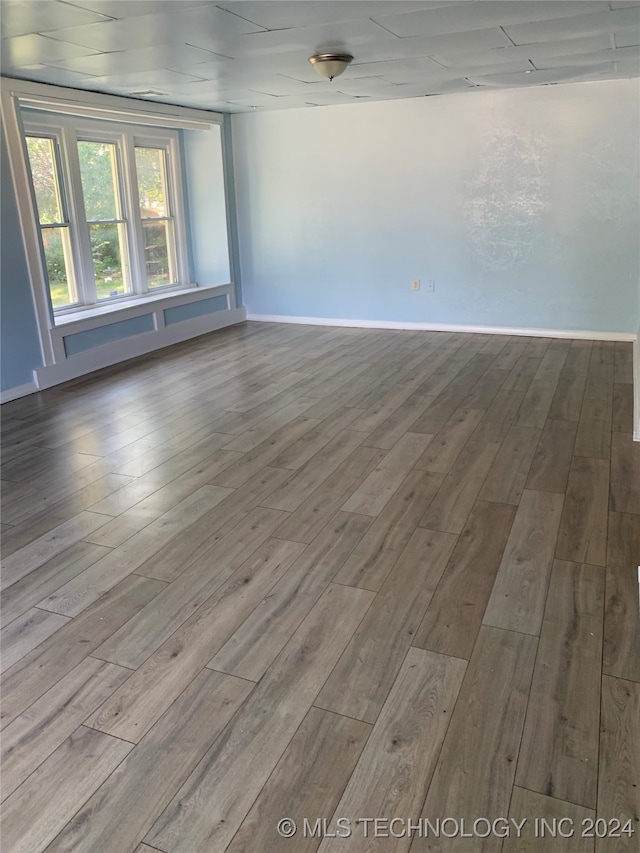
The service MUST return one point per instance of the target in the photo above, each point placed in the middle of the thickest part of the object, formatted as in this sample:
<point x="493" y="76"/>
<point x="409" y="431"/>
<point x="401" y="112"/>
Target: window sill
<point x="129" y="305"/>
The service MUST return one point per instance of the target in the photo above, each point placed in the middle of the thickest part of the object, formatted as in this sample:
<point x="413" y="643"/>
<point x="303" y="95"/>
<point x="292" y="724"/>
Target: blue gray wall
<point x="19" y="340"/>
<point x="522" y="205"/>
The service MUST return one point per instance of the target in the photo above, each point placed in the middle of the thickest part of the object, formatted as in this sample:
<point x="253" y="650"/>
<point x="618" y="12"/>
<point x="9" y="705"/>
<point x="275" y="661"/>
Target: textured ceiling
<point x="252" y="54"/>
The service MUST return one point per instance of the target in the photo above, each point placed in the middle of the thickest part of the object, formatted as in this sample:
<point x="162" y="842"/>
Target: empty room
<point x="320" y="412"/>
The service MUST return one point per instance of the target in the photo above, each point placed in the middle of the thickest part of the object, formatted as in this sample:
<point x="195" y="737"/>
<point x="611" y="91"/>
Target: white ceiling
<point x="246" y="54"/>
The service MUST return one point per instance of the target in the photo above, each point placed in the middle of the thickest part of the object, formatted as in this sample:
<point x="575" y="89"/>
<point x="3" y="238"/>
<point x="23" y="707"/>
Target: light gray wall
<point x="522" y="205"/>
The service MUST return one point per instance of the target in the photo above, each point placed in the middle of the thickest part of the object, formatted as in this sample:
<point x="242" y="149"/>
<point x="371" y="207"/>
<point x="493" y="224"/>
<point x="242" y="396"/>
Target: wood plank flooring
<point x="331" y="575"/>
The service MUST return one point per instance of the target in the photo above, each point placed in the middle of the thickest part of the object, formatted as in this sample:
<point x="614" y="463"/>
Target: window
<point x="157" y="221"/>
<point x="108" y="199"/>
<point x="100" y="178"/>
<point x="53" y="220"/>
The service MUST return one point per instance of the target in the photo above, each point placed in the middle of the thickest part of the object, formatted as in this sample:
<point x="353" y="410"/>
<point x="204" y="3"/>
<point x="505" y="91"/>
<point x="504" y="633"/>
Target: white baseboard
<point x="123" y="350"/>
<point x="447" y="327"/>
<point x="105" y="356"/>
<point x="127" y="348"/>
<point x="18" y="391"/>
<point x="627" y="337"/>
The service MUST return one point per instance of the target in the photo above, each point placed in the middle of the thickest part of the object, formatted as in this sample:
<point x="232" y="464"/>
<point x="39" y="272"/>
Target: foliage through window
<point x="107" y="203"/>
<point x="154" y="211"/>
<point x="103" y="210"/>
<point x="54" y="224"/>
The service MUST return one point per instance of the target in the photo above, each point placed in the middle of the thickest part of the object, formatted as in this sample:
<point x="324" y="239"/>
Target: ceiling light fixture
<point x="330" y="64"/>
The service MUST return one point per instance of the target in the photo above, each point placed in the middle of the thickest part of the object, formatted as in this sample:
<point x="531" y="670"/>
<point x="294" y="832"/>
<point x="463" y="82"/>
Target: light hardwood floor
<point x="304" y="572"/>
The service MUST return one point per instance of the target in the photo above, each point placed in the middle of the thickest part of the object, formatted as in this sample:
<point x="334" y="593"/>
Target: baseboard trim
<point x="127" y="348"/>
<point x="46" y="377"/>
<point x="447" y="327"/>
<point x="113" y="353"/>
<point x="17" y="392"/>
<point x="578" y="334"/>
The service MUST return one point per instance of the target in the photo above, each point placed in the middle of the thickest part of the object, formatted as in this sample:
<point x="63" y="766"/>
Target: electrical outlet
<point x="431" y="286"/>
<point x="415" y="284"/>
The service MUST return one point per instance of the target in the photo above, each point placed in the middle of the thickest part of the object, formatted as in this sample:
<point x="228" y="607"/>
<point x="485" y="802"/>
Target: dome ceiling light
<point x="330" y="64"/>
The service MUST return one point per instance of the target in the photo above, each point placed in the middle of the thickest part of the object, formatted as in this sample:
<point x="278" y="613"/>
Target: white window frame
<point x="170" y="144"/>
<point x="67" y="131"/>
<point x="16" y="94"/>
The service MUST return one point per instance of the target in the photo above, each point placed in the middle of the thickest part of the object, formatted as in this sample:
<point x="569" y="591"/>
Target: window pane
<point x="57" y="253"/>
<point x="45" y="180"/>
<point x="98" y="168"/>
<point x="150" y="166"/>
<point x="108" y="251"/>
<point x="158" y="253"/>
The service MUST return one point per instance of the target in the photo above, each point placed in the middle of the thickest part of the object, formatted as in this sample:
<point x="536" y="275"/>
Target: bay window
<point x="109" y="205"/>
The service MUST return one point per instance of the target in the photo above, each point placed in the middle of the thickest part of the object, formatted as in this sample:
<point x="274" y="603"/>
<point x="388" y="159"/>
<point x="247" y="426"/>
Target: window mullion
<point x="136" y="249"/>
<point x="85" y="282"/>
